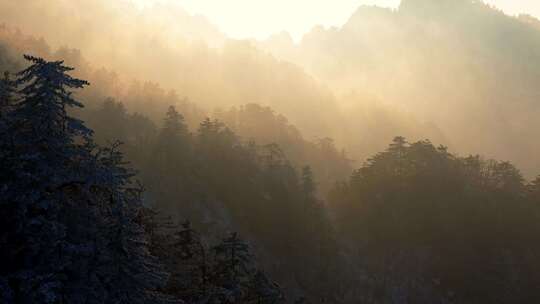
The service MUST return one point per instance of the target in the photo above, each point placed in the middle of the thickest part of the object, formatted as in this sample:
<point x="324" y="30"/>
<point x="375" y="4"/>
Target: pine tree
<point x="174" y="123"/>
<point x="43" y="161"/>
<point x="7" y="92"/>
<point x="232" y="268"/>
<point x="191" y="278"/>
<point x="171" y="153"/>
<point x="188" y="241"/>
<point x="133" y="274"/>
<point x="46" y="97"/>
<point x="264" y="291"/>
<point x="308" y="183"/>
<point x="214" y="137"/>
<point x="71" y="233"/>
<point x="173" y="138"/>
<point x="397" y="150"/>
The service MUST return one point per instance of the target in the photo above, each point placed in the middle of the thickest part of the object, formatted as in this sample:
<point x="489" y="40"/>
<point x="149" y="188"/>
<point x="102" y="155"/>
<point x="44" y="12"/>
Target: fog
<point x="467" y="68"/>
<point x="460" y="74"/>
<point x="148" y="157"/>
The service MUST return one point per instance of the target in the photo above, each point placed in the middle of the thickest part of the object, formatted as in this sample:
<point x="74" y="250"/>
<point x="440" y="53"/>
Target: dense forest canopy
<point x="145" y="157"/>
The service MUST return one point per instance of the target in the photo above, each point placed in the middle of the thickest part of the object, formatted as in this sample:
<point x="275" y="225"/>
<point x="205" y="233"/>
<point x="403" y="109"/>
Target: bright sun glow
<point x="261" y="18"/>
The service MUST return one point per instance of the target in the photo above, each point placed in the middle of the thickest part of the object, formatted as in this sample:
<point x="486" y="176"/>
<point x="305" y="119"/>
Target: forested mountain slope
<point x="405" y="227"/>
<point x="214" y="173"/>
<point x="462" y="65"/>
<point x="180" y="52"/>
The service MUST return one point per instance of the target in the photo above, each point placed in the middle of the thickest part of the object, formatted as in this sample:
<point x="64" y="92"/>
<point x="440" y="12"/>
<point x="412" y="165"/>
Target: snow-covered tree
<point x="42" y="163"/>
<point x="232" y="269"/>
<point x="46" y="97"/>
<point x="265" y="291"/>
<point x="69" y="231"/>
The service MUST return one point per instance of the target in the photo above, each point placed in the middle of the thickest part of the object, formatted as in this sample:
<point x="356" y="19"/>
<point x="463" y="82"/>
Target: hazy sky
<point x="260" y="18"/>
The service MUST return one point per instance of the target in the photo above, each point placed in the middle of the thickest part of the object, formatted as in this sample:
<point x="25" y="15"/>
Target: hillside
<point x="462" y="65"/>
<point x="148" y="158"/>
